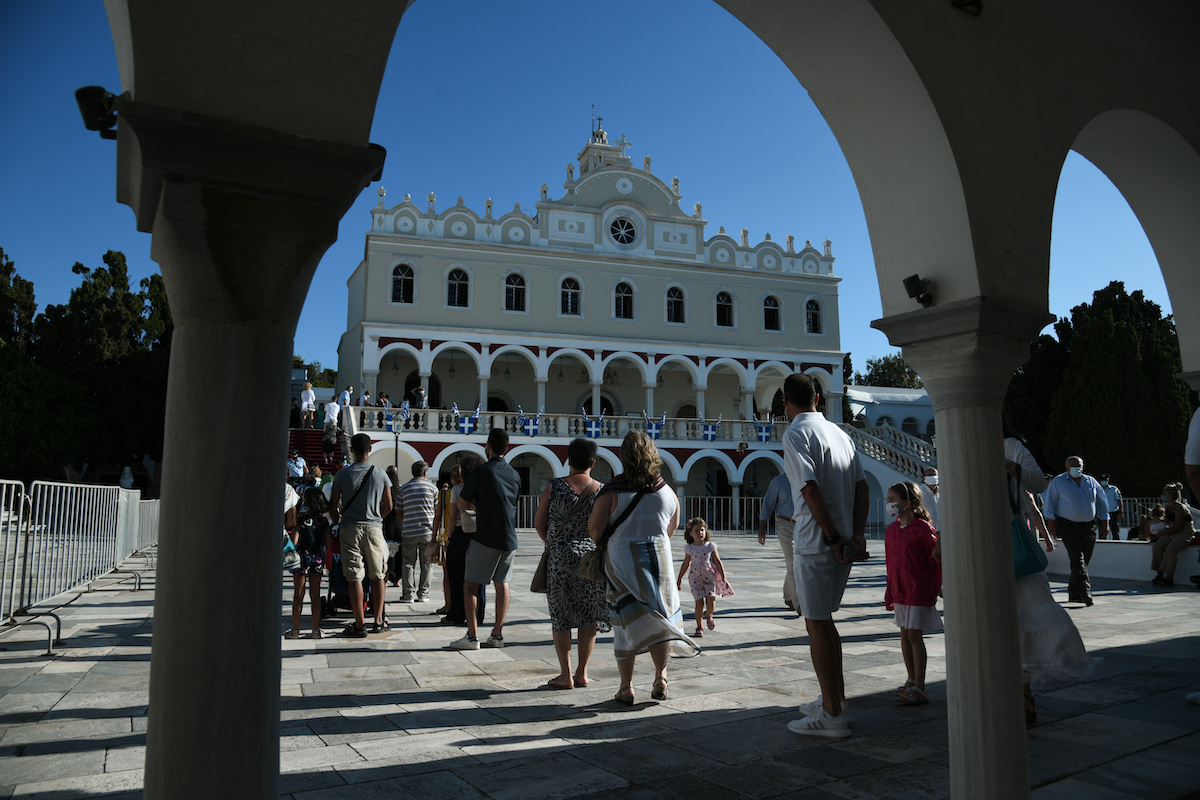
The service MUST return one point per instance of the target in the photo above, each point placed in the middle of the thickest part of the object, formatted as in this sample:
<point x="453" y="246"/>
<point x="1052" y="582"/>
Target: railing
<point x="900" y="440"/>
<point x="64" y="536"/>
<point x="884" y="453"/>
<point x="441" y="421"/>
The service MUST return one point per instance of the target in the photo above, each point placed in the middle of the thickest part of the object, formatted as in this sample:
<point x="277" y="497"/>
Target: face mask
<point x="893" y="510"/>
<point x="1075" y="472"/>
<point x="931" y="480"/>
<point x="1104" y="484"/>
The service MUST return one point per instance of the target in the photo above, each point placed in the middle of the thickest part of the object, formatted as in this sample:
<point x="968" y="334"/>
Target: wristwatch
<point x="837" y="537"/>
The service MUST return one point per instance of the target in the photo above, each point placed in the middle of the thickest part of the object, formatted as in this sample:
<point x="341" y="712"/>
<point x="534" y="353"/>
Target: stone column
<point x="747" y="403"/>
<point x="240" y="218"/>
<point x="833" y="406"/>
<point x="650" y="387"/>
<point x="483" y="396"/>
<point x="965" y="353"/>
<point x="735" y="512"/>
<point x="541" y="395"/>
<point x="700" y="401"/>
<point x="371" y="382"/>
<point x="596" y="398"/>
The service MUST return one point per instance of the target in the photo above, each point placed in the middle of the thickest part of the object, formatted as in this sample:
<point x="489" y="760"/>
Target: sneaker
<point x="810" y="707"/>
<point x="422" y="599"/>
<point x="406" y="598"/>
<point x="494" y="641"/>
<point x="465" y="643"/>
<point x="820" y="723"/>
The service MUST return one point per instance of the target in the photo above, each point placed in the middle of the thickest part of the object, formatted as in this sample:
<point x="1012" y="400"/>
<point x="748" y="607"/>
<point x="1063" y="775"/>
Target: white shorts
<point x="820" y="582"/>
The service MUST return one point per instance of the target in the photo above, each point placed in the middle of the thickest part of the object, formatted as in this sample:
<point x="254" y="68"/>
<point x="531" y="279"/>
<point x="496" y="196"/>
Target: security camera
<point x="96" y="108"/>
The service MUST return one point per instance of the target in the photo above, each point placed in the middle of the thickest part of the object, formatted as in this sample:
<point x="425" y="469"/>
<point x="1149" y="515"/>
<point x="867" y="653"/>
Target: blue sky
<point x="492" y="100"/>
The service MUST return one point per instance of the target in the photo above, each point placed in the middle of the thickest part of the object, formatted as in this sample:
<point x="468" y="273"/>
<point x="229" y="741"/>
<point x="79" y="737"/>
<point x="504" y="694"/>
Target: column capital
<point x="966" y="351"/>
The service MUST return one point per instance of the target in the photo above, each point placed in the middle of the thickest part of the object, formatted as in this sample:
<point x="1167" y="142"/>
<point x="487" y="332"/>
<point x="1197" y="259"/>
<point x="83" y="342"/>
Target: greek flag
<point x="710" y="430"/>
<point x="654" y="429"/>
<point x="530" y="426"/>
<point x="404" y="410"/>
<point x="592" y="425"/>
<point x="708" y="483"/>
<point x="387" y="415"/>
<point x="764" y="430"/>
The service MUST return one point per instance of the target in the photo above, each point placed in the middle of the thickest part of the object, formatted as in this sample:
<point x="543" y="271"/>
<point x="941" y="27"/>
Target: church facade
<point x="605" y="309"/>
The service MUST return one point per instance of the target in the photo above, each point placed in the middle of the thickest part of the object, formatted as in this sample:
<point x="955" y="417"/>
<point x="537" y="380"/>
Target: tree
<point x="890" y="371"/>
<point x="17" y="307"/>
<point x="319" y="377"/>
<point x="1105" y="390"/>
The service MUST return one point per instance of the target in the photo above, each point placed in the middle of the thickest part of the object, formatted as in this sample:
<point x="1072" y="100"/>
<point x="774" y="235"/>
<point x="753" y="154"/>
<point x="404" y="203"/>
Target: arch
<point x="678" y="475"/>
<point x="508" y="350"/>
<point x="583" y="358"/>
<point x="823" y="379"/>
<point x="884" y="419"/>
<point x="686" y="362"/>
<point x="463" y="347"/>
<point x="1157" y="171"/>
<point x="737" y="368"/>
<point x="612" y="459"/>
<point x="387" y="452"/>
<point x="911" y="426"/>
<point x="626" y="355"/>
<point x="759" y="455"/>
<point x="718" y="455"/>
<point x="558" y="467"/>
<point x="404" y="284"/>
<point x="452" y="449"/>
<point x="391" y="347"/>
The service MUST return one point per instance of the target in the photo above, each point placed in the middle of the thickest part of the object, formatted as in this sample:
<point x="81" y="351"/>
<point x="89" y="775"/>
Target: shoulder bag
<point x="1028" y="555"/>
<point x="591" y="566"/>
<point x="539" y="575"/>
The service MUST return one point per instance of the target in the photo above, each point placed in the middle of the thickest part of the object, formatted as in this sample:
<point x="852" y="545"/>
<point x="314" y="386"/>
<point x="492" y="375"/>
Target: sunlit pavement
<point x="397" y="713"/>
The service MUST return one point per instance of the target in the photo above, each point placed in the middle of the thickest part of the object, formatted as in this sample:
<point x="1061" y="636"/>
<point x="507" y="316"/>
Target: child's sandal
<point x="292" y="634"/>
<point x="699" y="632"/>
<point x="912" y="697"/>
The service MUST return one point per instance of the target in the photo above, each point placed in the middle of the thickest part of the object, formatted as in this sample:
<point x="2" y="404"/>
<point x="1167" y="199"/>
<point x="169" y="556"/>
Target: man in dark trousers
<point x="1071" y="503"/>
<point x="493" y="489"/>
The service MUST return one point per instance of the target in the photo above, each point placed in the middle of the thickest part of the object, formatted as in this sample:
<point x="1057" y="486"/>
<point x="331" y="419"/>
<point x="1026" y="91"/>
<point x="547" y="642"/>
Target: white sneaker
<point x="820" y="723"/>
<point x="465" y="643"/>
<point x="494" y="641"/>
<point x="810" y="707"/>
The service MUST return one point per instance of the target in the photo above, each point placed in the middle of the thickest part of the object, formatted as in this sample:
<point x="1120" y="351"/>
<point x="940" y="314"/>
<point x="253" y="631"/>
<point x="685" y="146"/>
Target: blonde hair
<point x="912" y="493"/>
<point x="456" y="474"/>
<point x="640" y="458"/>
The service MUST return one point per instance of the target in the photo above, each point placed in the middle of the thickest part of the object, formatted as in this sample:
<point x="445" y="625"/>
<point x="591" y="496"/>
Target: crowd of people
<point x="608" y="563"/>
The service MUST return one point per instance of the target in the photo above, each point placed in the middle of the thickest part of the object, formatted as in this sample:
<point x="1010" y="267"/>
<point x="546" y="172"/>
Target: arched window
<point x="402" y="284"/>
<point x="930" y="431"/>
<point x="909" y="426"/>
<point x="514" y="293"/>
<point x="812" y="316"/>
<point x="771" y="320"/>
<point x="623" y="301"/>
<point x="570" y="297"/>
<point x="724" y="310"/>
<point x="457" y="288"/>
<point x="676" y="312"/>
<point x="886" y="420"/>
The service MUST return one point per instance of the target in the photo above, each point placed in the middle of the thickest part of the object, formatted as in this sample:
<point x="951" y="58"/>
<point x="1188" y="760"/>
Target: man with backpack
<point x="361" y="498"/>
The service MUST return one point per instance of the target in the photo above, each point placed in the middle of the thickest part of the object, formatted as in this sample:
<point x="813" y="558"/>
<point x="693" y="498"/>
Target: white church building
<point x="605" y="309"/>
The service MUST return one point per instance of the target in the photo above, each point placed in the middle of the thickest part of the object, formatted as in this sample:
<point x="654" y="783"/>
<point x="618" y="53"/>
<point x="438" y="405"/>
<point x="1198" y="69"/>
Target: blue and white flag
<point x="404" y="410"/>
<point x="710" y="430"/>
<point x="654" y="429"/>
<point x="592" y="425"/>
<point x="708" y="483"/>
<point x="388" y="416"/>
<point x="530" y="426"/>
<point x="764" y="430"/>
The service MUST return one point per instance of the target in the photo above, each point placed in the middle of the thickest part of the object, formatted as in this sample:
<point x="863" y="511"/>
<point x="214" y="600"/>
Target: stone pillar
<point x="371" y="382"/>
<point x="238" y="229"/>
<point x="541" y="395"/>
<point x="483" y="395"/>
<point x="735" y="512"/>
<point x="596" y="398"/>
<point x="700" y="401"/>
<point x="965" y="353"/>
<point x="747" y="403"/>
<point x="833" y="406"/>
<point x="649" y="387"/>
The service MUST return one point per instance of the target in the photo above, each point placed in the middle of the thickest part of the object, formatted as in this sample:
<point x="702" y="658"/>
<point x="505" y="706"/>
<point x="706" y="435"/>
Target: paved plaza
<point x="399" y="714"/>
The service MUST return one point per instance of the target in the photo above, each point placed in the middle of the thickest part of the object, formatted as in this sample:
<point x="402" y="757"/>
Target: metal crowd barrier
<point x="63" y="537"/>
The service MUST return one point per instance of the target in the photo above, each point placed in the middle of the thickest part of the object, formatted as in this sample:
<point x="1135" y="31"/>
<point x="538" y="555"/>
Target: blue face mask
<point x="1075" y="472"/>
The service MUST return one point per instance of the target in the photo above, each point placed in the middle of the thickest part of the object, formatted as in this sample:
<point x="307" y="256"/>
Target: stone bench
<point x="1124" y="560"/>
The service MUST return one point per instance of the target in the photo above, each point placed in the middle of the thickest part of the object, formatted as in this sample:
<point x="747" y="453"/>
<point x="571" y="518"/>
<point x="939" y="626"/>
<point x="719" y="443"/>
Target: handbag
<point x="291" y="556"/>
<point x="591" y="565"/>
<point x="1028" y="556"/>
<point x="538" y="584"/>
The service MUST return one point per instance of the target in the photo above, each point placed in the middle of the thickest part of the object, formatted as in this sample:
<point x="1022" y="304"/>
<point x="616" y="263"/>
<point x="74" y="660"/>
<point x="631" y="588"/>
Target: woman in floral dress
<point x="561" y="520"/>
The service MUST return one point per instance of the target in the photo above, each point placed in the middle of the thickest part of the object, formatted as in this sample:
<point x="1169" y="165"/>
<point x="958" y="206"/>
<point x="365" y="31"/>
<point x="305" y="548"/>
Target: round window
<point x="622" y="231"/>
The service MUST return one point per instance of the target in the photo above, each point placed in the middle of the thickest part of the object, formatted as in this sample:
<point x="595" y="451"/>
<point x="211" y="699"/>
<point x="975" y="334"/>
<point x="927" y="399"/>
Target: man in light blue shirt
<point x="778" y="501"/>
<point x="1115" y="512"/>
<point x="1072" y="501"/>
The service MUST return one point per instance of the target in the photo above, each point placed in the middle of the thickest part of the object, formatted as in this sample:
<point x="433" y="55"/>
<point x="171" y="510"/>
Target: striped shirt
<point x="416" y="506"/>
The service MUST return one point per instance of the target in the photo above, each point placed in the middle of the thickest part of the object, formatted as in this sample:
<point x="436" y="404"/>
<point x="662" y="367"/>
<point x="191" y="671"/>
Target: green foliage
<point x="319" y="377"/>
<point x="1105" y="390"/>
<point x="95" y="367"/>
<point x="891" y="371"/>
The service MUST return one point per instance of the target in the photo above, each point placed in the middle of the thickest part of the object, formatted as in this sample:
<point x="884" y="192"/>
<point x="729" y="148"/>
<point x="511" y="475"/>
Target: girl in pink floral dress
<point x="706" y="573"/>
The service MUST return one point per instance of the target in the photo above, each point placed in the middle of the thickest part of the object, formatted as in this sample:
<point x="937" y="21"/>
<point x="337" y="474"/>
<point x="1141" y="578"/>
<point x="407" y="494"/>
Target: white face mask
<point x="1075" y="472"/>
<point x="931" y="480"/>
<point x="893" y="510"/>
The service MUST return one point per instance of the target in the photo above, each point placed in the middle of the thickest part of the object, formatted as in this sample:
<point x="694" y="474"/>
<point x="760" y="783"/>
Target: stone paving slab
<point x="399" y="713"/>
